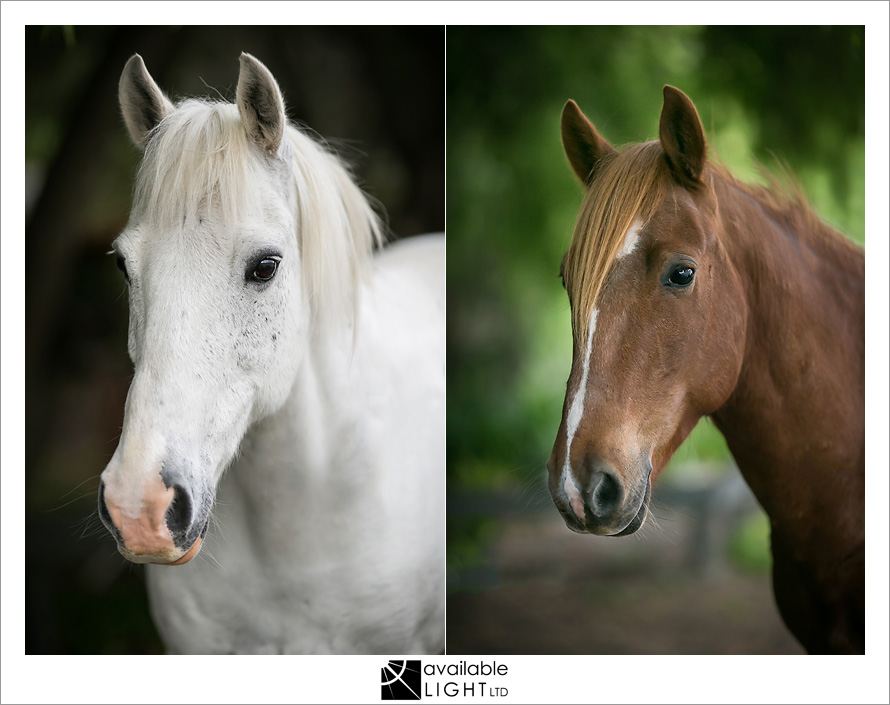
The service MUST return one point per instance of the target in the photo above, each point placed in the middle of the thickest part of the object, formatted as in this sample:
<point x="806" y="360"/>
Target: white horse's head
<point x="243" y="233"/>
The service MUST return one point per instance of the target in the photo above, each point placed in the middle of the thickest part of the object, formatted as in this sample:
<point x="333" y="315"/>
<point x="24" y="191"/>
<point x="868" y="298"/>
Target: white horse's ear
<point x="260" y="104"/>
<point x="143" y="104"/>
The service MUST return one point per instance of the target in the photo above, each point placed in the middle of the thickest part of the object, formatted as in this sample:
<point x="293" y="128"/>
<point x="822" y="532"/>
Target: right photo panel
<point x="655" y="340"/>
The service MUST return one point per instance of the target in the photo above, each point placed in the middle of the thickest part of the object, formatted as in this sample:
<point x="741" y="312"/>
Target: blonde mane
<point x="199" y="158"/>
<point x="629" y="186"/>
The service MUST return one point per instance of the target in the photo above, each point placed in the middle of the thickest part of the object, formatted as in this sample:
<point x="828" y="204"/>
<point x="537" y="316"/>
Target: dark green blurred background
<point x="793" y="93"/>
<point x="377" y="93"/>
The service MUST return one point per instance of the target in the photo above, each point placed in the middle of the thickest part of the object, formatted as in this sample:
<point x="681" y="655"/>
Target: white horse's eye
<point x="265" y="269"/>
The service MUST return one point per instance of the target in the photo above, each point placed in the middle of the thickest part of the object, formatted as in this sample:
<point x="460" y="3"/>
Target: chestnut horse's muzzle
<point x="598" y="500"/>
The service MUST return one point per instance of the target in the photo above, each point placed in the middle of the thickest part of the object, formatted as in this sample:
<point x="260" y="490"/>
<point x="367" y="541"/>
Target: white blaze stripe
<point x="630" y="240"/>
<point x="577" y="407"/>
<point x="576" y="410"/>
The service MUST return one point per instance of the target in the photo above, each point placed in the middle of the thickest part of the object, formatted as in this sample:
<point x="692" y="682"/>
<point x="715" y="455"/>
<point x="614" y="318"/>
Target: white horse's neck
<point x="306" y="454"/>
<point x="346" y="479"/>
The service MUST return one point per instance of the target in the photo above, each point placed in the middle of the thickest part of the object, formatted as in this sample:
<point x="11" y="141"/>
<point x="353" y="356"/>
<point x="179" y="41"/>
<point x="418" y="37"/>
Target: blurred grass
<point x="749" y="546"/>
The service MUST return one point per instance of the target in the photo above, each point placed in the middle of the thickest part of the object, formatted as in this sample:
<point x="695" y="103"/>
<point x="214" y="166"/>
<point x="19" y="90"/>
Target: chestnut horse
<point x="695" y="295"/>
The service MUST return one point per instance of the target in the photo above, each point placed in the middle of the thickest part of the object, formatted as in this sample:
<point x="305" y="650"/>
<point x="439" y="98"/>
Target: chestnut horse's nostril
<point x="605" y="495"/>
<point x="179" y="513"/>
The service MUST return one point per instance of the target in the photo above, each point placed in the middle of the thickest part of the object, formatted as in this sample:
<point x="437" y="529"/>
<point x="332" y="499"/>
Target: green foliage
<point x="703" y="454"/>
<point x="749" y="545"/>
<point x="792" y="93"/>
<point x="66" y="32"/>
<point x="466" y="550"/>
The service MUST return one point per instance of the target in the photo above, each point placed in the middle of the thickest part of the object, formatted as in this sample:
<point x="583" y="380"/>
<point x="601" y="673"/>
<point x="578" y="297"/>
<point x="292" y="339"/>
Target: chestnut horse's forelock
<point x="629" y="187"/>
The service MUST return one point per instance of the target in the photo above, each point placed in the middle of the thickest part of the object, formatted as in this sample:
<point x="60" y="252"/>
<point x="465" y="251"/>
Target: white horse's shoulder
<point x="419" y="258"/>
<point x="406" y="298"/>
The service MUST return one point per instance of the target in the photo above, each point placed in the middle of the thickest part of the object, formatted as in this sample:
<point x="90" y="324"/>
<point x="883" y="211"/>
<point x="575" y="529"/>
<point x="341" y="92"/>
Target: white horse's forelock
<point x="200" y="159"/>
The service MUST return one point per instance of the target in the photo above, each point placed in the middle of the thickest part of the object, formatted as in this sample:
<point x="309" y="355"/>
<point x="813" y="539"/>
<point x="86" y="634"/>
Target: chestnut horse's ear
<point x="260" y="104"/>
<point x="682" y="137"/>
<point x="583" y="145"/>
<point x="143" y="104"/>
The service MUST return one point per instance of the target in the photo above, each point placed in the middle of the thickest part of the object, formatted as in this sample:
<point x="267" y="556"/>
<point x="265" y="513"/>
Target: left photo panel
<point x="235" y="380"/>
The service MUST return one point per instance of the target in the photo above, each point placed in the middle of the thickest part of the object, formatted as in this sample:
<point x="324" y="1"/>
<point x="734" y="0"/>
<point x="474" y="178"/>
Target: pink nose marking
<point x="144" y="531"/>
<point x="575" y="500"/>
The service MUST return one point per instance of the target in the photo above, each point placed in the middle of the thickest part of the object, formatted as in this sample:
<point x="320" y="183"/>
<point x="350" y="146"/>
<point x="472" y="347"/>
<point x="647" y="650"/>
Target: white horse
<point x="269" y="340"/>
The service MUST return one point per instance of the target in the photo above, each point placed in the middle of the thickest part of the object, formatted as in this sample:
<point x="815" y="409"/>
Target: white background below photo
<point x="528" y="679"/>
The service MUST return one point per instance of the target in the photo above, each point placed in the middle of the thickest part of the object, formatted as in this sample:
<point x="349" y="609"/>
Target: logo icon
<point x="400" y="680"/>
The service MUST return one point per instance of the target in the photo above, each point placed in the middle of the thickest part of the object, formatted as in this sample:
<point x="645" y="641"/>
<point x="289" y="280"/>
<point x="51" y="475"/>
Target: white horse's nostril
<point x="179" y="513"/>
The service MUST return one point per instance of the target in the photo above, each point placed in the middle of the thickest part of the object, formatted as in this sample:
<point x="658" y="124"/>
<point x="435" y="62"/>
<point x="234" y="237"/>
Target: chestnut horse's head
<point x="658" y="316"/>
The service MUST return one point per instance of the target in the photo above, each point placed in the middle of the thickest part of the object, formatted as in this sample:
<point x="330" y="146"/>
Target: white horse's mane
<point x="200" y="159"/>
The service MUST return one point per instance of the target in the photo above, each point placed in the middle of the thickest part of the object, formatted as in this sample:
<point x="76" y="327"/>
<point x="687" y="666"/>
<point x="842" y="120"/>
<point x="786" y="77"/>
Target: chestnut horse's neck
<point x="795" y="421"/>
<point x="799" y="398"/>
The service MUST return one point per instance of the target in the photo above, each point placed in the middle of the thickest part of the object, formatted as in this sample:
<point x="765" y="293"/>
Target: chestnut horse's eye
<point x="682" y="276"/>
<point x="265" y="269"/>
<point x="122" y="265"/>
